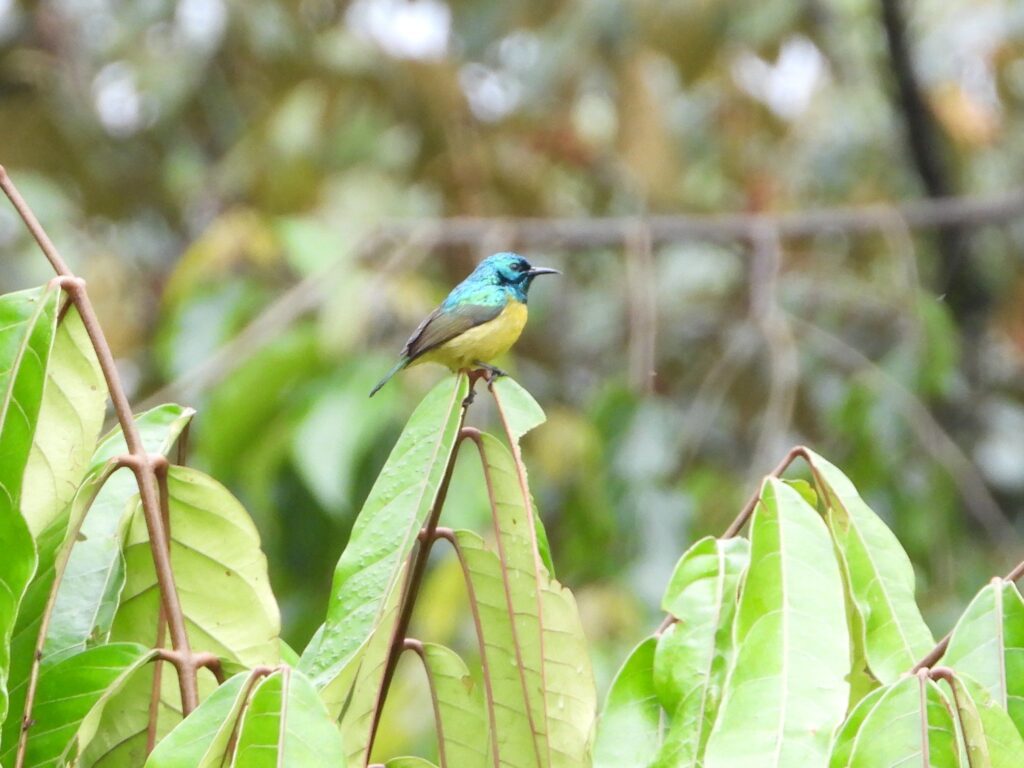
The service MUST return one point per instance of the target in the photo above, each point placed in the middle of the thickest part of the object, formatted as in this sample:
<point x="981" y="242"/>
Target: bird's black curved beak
<point x="542" y="271"/>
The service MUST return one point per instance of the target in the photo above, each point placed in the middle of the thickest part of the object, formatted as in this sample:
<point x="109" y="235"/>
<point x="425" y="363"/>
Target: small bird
<point x="481" y="318"/>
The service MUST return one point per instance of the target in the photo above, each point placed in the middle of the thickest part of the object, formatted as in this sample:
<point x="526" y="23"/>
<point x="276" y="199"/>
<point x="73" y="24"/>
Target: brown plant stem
<point x="161" y="624"/>
<point x="255" y="675"/>
<point x="410" y="644"/>
<point x="748" y="509"/>
<point x="417" y="569"/>
<point x="142" y="464"/>
<point x="449" y="535"/>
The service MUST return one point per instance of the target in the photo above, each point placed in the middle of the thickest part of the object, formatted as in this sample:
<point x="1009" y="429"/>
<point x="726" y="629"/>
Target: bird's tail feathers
<point x="398" y="366"/>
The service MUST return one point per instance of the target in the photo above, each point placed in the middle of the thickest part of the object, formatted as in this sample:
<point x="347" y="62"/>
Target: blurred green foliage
<point x="196" y="159"/>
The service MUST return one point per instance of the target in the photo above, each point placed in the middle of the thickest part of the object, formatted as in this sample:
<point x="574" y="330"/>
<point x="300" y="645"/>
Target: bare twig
<point x="142" y="464"/>
<point x="641" y="308"/>
<point x="932" y="437"/>
<point x="783" y="360"/>
<point x="588" y="233"/>
<point x="581" y="234"/>
<point x="707" y="400"/>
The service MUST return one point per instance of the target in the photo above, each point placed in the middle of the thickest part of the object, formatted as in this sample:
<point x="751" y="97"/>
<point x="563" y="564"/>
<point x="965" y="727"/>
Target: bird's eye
<point x="520" y="266"/>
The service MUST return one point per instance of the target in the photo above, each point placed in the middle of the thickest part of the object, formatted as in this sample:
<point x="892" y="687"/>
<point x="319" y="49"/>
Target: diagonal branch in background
<point x="977" y="499"/>
<point x="143" y="464"/>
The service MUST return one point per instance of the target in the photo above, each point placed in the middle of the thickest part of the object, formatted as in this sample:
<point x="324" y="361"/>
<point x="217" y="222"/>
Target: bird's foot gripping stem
<point x="492" y="372"/>
<point x="489" y="373"/>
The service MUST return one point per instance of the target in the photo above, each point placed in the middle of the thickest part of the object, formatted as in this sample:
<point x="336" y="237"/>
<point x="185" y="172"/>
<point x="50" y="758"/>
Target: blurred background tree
<point x="216" y="165"/>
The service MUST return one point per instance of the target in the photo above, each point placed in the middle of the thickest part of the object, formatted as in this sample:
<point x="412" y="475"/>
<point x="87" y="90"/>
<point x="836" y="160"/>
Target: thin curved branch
<point x="142" y="464"/>
<point x="418" y="558"/>
<point x="449" y="535"/>
<point x="932" y="437"/>
<point x="411" y="644"/>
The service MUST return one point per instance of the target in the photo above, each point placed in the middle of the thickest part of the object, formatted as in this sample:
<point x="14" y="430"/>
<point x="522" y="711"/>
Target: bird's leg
<point x="493" y="372"/>
<point x="473" y="377"/>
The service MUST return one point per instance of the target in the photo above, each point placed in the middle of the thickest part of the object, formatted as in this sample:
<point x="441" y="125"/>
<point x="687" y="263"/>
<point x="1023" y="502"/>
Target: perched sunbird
<point x="480" y="320"/>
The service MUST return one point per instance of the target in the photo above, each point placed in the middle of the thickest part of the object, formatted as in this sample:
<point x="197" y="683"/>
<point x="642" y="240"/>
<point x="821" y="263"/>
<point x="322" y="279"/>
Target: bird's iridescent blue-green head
<point x="509" y="271"/>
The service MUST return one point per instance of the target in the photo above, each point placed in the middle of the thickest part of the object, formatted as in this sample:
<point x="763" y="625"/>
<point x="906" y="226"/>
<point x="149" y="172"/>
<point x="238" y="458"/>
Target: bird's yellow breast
<point x="484" y="342"/>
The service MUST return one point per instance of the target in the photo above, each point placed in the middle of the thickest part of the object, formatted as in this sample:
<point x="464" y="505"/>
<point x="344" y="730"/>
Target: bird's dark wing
<point x="443" y="325"/>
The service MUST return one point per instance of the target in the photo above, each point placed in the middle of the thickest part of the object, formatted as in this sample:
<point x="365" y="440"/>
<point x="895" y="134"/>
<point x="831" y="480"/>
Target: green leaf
<point x="409" y="762"/>
<point x="219" y="570"/>
<point x="221" y="576"/>
<point x="881" y="578"/>
<point x="358" y="687"/>
<point x="786" y="689"/>
<point x="201" y="740"/>
<point x="70" y="420"/>
<point x="518" y="407"/>
<point x="87" y="593"/>
<point x="847" y="734"/>
<point x="991" y="738"/>
<point x="514" y="691"/>
<point x="897" y="726"/>
<point x="541" y="696"/>
<point x="385" y="532"/>
<point x="286" y="724"/>
<point x="459" y="708"/>
<point x="987" y="645"/>
<point x="693" y="654"/>
<point x="70" y="699"/>
<point x="629" y="729"/>
<point x="547" y="637"/>
<point x="91" y="584"/>
<point x="27" y="327"/>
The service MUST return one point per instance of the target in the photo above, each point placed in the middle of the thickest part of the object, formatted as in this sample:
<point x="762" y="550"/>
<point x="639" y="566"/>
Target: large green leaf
<point x="219" y="570"/>
<point x="361" y="684"/>
<point x="202" y="739"/>
<point x="459" y="709"/>
<point x="286" y="724"/>
<point x="520" y="411"/>
<point x="629" y="729"/>
<point x="881" y="578"/>
<point x="693" y="653"/>
<point x="898" y="726"/>
<point x="547" y="638"/>
<point x="514" y="729"/>
<point x="990" y="737"/>
<point x="86" y="599"/>
<point x="988" y="645"/>
<point x="385" y="532"/>
<point x="27" y="327"/>
<point x="94" y="576"/>
<point x="70" y="699"/>
<point x="70" y="420"/>
<point x="229" y="610"/>
<point x="786" y="689"/>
